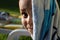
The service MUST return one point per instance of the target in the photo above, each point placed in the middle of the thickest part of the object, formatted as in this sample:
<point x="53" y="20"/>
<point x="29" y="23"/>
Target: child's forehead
<point x="23" y="3"/>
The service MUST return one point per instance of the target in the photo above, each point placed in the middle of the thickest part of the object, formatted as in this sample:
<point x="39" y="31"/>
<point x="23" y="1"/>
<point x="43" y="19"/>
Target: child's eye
<point x="25" y="15"/>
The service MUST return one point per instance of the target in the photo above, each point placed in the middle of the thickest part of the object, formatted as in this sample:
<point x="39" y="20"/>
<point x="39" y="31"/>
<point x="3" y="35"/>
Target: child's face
<point x="26" y="11"/>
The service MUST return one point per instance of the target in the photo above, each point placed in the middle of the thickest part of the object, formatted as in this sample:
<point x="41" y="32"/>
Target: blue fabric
<point x="47" y="20"/>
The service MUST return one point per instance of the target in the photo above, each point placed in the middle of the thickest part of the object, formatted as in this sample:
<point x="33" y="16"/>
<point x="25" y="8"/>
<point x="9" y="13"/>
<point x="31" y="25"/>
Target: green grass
<point x="25" y="38"/>
<point x="4" y="37"/>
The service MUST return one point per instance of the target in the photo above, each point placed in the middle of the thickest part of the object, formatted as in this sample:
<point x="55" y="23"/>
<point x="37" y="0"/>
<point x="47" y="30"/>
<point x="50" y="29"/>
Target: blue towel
<point x="42" y="11"/>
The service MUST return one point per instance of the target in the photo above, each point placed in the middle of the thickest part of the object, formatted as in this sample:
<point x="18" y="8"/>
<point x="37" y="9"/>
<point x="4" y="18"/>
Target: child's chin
<point x="30" y="31"/>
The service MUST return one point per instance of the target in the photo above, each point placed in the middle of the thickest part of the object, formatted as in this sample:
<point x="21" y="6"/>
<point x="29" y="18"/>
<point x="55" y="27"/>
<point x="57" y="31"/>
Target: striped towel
<point x="43" y="19"/>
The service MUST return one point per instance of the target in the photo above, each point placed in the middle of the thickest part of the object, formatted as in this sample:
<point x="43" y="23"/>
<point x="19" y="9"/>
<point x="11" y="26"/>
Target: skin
<point x="26" y="11"/>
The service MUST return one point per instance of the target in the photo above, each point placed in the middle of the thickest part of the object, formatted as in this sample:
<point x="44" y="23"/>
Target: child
<point x="26" y="11"/>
